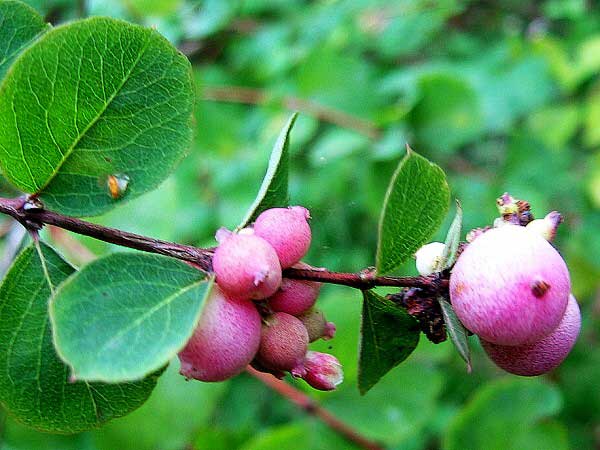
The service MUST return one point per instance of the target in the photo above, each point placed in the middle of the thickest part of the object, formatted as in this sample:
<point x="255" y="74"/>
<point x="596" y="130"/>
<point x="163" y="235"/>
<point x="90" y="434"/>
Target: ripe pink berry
<point x="323" y="371"/>
<point x="287" y="230"/>
<point x="246" y="265"/>
<point x="317" y="326"/>
<point x="295" y="296"/>
<point x="283" y="344"/>
<point x="510" y="286"/>
<point x="225" y="340"/>
<point x="542" y="356"/>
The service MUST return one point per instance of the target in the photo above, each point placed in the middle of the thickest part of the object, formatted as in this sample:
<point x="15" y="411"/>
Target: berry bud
<point x="283" y="344"/>
<point x="317" y="326"/>
<point x="246" y="265"/>
<point x="287" y="230"/>
<point x="510" y="286"/>
<point x="547" y="226"/>
<point x="323" y="371"/>
<point x="429" y="258"/>
<point x="295" y="296"/>
<point x="542" y="356"/>
<point x="225" y="340"/>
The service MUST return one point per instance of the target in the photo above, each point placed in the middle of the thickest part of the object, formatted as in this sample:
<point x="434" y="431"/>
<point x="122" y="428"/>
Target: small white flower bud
<point x="429" y="258"/>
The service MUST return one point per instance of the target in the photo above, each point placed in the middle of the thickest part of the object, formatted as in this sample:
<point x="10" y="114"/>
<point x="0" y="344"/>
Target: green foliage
<point x="414" y="207"/>
<point x="510" y="414"/>
<point x="273" y="191"/>
<point x="126" y="315"/>
<point x="456" y="331"/>
<point x="448" y="115"/>
<point x="35" y="385"/>
<point x="452" y="239"/>
<point x="388" y="336"/>
<point x="20" y="25"/>
<point x="168" y="420"/>
<point x="502" y="95"/>
<point x="113" y="99"/>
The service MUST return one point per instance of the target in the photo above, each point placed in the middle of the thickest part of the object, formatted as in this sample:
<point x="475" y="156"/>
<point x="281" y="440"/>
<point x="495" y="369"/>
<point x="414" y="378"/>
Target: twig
<point x="34" y="218"/>
<point x="236" y="94"/>
<point x="31" y="217"/>
<point x="365" y="279"/>
<point x="311" y="407"/>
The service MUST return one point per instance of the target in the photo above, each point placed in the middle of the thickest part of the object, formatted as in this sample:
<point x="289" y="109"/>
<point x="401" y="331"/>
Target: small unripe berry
<point x="287" y="230"/>
<point x="323" y="371"/>
<point x="317" y="326"/>
<point x="283" y="344"/>
<point x="510" y="286"/>
<point x="542" y="356"/>
<point x="225" y="340"/>
<point x="246" y="265"/>
<point x="295" y="296"/>
<point x="428" y="258"/>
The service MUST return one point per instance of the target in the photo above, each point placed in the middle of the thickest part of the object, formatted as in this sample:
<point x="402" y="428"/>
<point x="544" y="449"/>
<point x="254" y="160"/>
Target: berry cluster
<point x="512" y="288"/>
<point x="253" y="315"/>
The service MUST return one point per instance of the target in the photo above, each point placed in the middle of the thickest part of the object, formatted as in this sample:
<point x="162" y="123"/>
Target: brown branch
<point x="365" y="279"/>
<point x="251" y="96"/>
<point x="306" y="403"/>
<point x="33" y="218"/>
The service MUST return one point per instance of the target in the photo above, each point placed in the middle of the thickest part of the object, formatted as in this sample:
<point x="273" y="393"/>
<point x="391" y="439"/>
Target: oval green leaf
<point x="20" y="25"/>
<point x="137" y="310"/>
<point x="388" y="335"/>
<point x="415" y="205"/>
<point x="91" y="100"/>
<point x="273" y="191"/>
<point x="34" y="382"/>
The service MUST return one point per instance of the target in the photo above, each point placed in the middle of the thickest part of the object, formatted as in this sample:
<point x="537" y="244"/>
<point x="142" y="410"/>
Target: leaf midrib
<point x="93" y="122"/>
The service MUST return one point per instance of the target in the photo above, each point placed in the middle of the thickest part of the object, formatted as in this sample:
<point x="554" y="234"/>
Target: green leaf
<point x="273" y="191"/>
<point x="406" y="402"/>
<point x="34" y="383"/>
<point x="415" y="204"/>
<point x="89" y="100"/>
<point x="20" y="25"/>
<point x="591" y="133"/>
<point x="137" y="310"/>
<point x="448" y="114"/>
<point x="456" y="331"/>
<point x="511" y="414"/>
<point x="452" y="239"/>
<point x="290" y="436"/>
<point x="388" y="336"/>
<point x="168" y="420"/>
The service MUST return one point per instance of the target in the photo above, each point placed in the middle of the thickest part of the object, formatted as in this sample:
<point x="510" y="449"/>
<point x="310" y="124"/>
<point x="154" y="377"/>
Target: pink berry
<point x="295" y="296"/>
<point x="323" y="371"/>
<point x="510" y="286"/>
<point x="542" y="356"/>
<point x="287" y="230"/>
<point x="246" y="265"/>
<point x="283" y="344"/>
<point x="226" y="339"/>
<point x="317" y="326"/>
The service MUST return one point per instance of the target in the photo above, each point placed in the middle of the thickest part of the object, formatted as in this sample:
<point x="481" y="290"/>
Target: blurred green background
<point x="504" y="95"/>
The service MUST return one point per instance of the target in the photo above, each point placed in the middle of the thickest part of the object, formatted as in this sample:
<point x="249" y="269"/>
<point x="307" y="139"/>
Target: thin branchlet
<point x="33" y="216"/>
